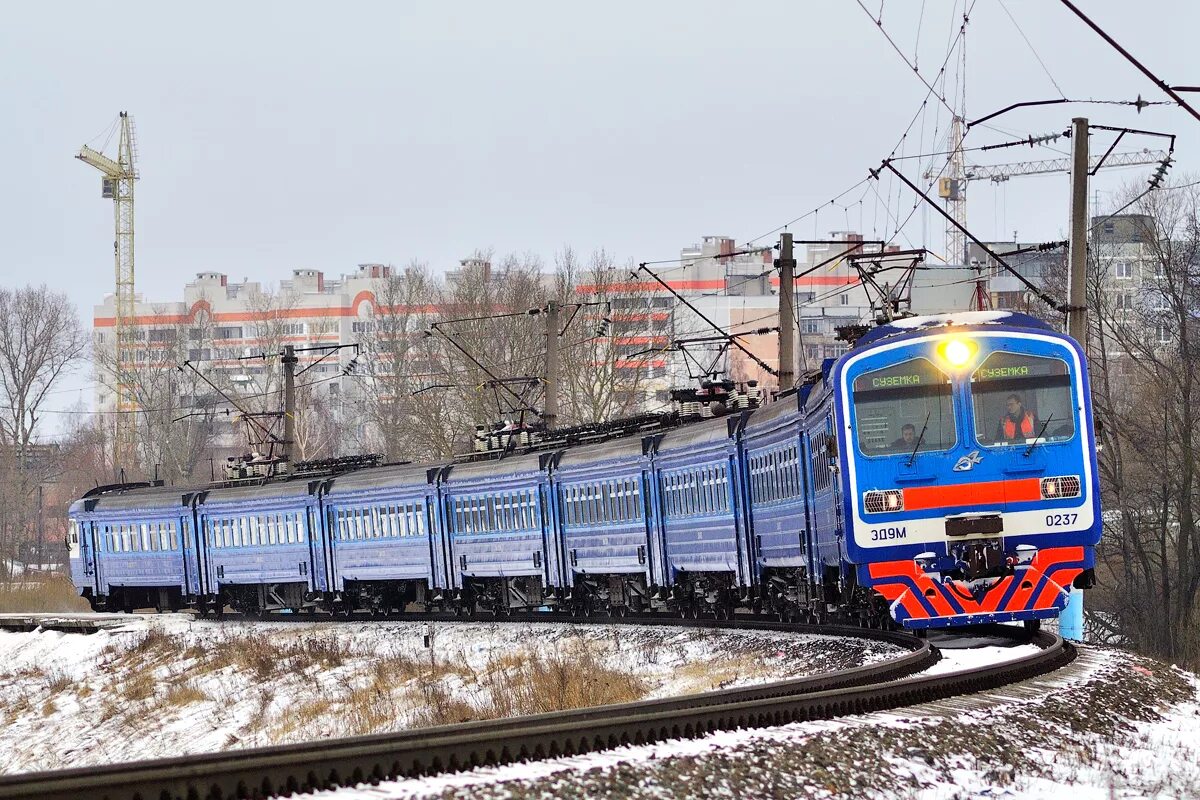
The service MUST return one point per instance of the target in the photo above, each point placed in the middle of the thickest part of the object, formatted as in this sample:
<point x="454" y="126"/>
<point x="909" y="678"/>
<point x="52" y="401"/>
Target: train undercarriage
<point x="784" y="594"/>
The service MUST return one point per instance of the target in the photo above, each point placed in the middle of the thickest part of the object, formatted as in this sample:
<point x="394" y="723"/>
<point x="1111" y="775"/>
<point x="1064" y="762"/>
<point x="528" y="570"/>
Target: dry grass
<point x="703" y="676"/>
<point x="183" y="694"/>
<point x="51" y="594"/>
<point x="138" y="686"/>
<point x="572" y="677"/>
<point x="266" y="657"/>
<point x="57" y="680"/>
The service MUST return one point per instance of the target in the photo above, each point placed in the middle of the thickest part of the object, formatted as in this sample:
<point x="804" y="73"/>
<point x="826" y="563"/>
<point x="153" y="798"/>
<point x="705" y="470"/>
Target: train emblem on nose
<point x="968" y="461"/>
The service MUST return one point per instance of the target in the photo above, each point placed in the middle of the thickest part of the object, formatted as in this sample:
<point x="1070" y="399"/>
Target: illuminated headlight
<point x="957" y="352"/>
<point x="881" y="501"/>
<point x="1064" y="486"/>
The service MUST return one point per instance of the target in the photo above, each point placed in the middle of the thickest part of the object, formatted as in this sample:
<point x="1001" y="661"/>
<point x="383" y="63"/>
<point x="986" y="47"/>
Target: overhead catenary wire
<point x="1159" y="82"/>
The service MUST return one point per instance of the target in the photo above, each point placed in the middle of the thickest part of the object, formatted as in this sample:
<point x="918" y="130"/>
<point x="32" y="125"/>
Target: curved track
<point x="271" y="771"/>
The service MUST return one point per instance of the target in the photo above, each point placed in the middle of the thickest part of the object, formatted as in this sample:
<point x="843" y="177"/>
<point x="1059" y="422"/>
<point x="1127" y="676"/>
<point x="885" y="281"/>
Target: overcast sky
<point x="281" y="135"/>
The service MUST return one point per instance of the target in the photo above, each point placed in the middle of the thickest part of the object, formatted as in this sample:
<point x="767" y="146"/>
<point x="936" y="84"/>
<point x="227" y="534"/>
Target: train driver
<point x="1018" y="424"/>
<point x="907" y="440"/>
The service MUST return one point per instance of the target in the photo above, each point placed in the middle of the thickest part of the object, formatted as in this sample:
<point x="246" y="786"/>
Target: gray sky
<point x="280" y="135"/>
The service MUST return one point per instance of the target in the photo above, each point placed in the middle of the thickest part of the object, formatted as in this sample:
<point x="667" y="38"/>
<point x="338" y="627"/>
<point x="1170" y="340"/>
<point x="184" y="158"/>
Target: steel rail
<point x="311" y="766"/>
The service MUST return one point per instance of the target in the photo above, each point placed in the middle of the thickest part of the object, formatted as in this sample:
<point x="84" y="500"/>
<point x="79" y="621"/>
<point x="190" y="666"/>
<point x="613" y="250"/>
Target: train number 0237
<point x="1055" y="520"/>
<point x="884" y="534"/>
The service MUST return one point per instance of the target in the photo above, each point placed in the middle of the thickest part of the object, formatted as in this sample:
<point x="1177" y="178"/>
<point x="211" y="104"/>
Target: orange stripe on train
<point x="919" y="498"/>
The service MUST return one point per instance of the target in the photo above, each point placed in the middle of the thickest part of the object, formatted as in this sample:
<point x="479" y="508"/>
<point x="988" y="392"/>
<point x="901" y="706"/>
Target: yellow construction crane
<point x="117" y="185"/>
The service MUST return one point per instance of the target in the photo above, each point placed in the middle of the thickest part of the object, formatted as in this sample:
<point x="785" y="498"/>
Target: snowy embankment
<point x="159" y="686"/>
<point x="1111" y="725"/>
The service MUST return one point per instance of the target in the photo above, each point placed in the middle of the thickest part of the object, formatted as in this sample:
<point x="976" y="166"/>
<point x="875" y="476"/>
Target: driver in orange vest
<point x="1018" y="424"/>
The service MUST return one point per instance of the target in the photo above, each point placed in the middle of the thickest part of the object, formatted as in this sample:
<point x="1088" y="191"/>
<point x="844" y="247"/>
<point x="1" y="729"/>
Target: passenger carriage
<point x="262" y="547"/>
<point x="698" y="516"/>
<point x="601" y="496"/>
<point x="132" y="547"/>
<point x="500" y="528"/>
<point x="773" y="471"/>
<point x="385" y="540"/>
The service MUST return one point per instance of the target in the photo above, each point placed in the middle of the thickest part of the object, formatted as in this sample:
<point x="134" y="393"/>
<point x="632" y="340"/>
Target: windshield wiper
<point x="1038" y="438"/>
<point x="920" y="438"/>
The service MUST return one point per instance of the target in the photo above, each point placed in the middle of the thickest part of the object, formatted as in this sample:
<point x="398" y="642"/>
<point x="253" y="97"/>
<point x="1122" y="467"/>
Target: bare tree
<point x="1144" y="288"/>
<point x="40" y="341"/>
<point x="177" y="410"/>
<point x="397" y="360"/>
<point x="600" y="380"/>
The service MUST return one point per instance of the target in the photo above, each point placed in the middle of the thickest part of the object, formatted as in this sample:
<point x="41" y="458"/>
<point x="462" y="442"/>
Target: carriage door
<point x="87" y="551"/>
<point x="316" y="546"/>
<point x="96" y="564"/>
<point x="191" y="577"/>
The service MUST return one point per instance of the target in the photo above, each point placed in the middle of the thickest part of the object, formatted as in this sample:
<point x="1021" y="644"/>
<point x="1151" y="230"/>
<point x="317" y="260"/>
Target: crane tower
<point x="118" y="176"/>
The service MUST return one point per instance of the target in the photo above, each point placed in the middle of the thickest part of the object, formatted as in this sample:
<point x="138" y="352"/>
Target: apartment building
<point x="223" y="326"/>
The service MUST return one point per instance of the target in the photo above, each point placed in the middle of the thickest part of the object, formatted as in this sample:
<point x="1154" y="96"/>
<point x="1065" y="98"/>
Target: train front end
<point x="969" y="468"/>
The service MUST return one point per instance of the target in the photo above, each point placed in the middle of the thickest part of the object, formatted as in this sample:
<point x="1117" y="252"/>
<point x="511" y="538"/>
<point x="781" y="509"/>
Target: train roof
<point x="391" y="475"/>
<point x="1013" y="319"/>
<point x="530" y="462"/>
<point x="121" y="498"/>
<point x="273" y="489"/>
<point x="697" y="434"/>
<point x="625" y="447"/>
<point x="787" y="404"/>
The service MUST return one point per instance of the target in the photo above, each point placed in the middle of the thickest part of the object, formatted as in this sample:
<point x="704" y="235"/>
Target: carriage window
<point x="1018" y="397"/>
<point x="892" y="406"/>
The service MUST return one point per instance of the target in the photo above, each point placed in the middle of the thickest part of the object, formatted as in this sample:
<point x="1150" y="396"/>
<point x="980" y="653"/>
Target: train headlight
<point x="957" y="352"/>
<point x="882" y="501"/>
<point x="1062" y="487"/>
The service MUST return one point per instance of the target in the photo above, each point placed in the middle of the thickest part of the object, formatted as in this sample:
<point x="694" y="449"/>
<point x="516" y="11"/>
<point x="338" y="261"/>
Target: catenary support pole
<point x="289" y="401"/>
<point x="787" y="312"/>
<point x="1077" y="272"/>
<point x="550" y="415"/>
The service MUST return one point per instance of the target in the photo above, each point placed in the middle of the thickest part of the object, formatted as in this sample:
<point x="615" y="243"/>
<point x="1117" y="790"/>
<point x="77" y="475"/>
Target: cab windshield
<point x="1019" y="398"/>
<point x="902" y="404"/>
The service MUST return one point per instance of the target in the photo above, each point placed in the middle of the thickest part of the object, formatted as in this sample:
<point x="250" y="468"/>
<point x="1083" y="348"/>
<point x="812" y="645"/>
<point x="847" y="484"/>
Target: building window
<point x="845" y="298"/>
<point x="1163" y="333"/>
<point x="229" y="332"/>
<point x="162" y="334"/>
<point x="1124" y="269"/>
<point x="1124" y="301"/>
<point x="1108" y="227"/>
<point x="810" y="326"/>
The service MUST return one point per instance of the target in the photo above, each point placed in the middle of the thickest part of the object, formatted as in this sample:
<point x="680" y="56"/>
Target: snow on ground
<point x="158" y="686"/>
<point x="1118" y="727"/>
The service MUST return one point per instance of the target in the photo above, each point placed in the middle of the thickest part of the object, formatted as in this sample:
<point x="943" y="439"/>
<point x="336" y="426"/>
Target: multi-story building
<point x="1005" y="290"/>
<point x="737" y="290"/>
<point x="222" y="326"/>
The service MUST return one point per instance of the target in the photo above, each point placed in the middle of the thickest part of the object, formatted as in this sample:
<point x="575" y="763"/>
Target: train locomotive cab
<point x="970" y="476"/>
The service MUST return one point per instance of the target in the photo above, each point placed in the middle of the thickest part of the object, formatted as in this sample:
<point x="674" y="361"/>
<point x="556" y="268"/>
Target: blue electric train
<point x="942" y="472"/>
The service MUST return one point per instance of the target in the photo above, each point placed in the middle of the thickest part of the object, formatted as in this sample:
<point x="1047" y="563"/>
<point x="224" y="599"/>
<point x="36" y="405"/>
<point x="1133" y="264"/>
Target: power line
<point x="1032" y="49"/>
<point x="1159" y="82"/>
<point x="879" y="24"/>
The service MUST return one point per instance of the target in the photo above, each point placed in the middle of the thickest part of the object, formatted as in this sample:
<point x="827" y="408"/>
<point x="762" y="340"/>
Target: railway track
<point x="310" y="766"/>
